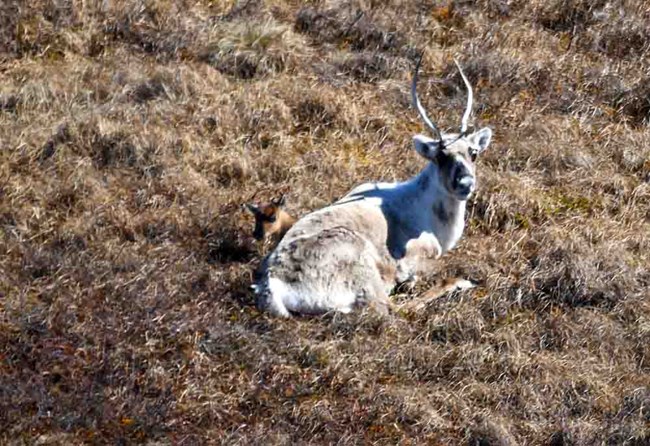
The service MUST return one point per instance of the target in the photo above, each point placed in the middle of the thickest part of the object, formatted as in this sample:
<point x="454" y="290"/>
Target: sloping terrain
<point x="132" y="131"/>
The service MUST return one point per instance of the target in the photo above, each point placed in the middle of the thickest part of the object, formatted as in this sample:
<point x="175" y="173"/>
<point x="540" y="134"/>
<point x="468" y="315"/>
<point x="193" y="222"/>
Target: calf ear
<point x="279" y="202"/>
<point x="251" y="207"/>
<point x="481" y="138"/>
<point x="426" y="147"/>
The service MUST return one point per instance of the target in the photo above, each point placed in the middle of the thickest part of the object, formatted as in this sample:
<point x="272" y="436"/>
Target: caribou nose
<point x="465" y="182"/>
<point x="464" y="186"/>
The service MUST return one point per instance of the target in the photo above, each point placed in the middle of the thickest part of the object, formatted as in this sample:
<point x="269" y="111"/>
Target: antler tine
<point x="470" y="98"/>
<point x="418" y="105"/>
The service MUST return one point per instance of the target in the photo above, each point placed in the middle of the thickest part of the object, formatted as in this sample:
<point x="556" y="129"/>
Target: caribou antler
<point x="416" y="102"/>
<point x="470" y="98"/>
<point x="418" y="106"/>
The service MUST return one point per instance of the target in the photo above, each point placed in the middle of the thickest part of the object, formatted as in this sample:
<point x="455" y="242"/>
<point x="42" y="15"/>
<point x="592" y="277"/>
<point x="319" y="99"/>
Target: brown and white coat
<point x="354" y="252"/>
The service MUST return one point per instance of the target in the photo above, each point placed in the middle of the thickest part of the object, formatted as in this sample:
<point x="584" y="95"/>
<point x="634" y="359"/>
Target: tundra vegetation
<point x="132" y="131"/>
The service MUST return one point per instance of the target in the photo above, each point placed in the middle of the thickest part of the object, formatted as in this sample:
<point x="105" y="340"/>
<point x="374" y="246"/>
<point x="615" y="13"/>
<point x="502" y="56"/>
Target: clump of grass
<point x="61" y="136"/>
<point x="246" y="50"/>
<point x="227" y="245"/>
<point x="159" y="85"/>
<point x="577" y="278"/>
<point x="501" y="77"/>
<point x="566" y="15"/>
<point x="114" y="149"/>
<point x="40" y="29"/>
<point x="490" y="432"/>
<point x="347" y="26"/>
<point x="615" y="29"/>
<point x="9" y="102"/>
<point x="370" y="67"/>
<point x="612" y="28"/>
<point x="312" y="114"/>
<point x="151" y="27"/>
<point x="621" y="38"/>
<point x="633" y="104"/>
<point x="9" y="16"/>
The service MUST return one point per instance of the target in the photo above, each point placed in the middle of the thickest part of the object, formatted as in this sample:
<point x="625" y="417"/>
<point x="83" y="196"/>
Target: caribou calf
<point x="271" y="220"/>
<point x="355" y="251"/>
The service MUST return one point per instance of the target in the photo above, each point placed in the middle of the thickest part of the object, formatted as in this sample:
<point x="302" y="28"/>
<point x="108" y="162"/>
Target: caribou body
<point x="354" y="252"/>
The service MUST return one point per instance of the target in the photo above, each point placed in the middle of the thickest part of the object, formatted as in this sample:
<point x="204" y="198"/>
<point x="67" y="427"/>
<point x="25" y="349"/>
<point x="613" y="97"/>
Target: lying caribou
<point x="354" y="252"/>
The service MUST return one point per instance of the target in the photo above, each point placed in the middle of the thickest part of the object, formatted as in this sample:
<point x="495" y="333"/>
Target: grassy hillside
<point x="132" y="131"/>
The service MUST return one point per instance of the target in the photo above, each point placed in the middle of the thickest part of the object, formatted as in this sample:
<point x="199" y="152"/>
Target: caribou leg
<point x="448" y="286"/>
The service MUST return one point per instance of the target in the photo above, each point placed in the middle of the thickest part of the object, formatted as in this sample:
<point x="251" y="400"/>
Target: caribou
<point x="354" y="252"/>
<point x="271" y="220"/>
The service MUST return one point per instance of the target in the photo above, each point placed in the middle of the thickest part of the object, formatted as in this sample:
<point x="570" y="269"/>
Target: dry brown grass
<point x="131" y="132"/>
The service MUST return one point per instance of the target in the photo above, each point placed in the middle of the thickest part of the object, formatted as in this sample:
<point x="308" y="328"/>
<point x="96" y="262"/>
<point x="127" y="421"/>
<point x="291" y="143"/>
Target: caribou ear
<point x="426" y="147"/>
<point x="279" y="202"/>
<point x="251" y="207"/>
<point x="481" y="138"/>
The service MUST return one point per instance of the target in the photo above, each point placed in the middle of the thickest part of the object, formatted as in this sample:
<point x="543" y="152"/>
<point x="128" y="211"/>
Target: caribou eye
<point x="473" y="154"/>
<point x="271" y="219"/>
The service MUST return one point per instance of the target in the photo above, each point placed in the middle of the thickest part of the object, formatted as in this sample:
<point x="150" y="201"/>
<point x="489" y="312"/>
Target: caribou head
<point x="454" y="154"/>
<point x="271" y="220"/>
